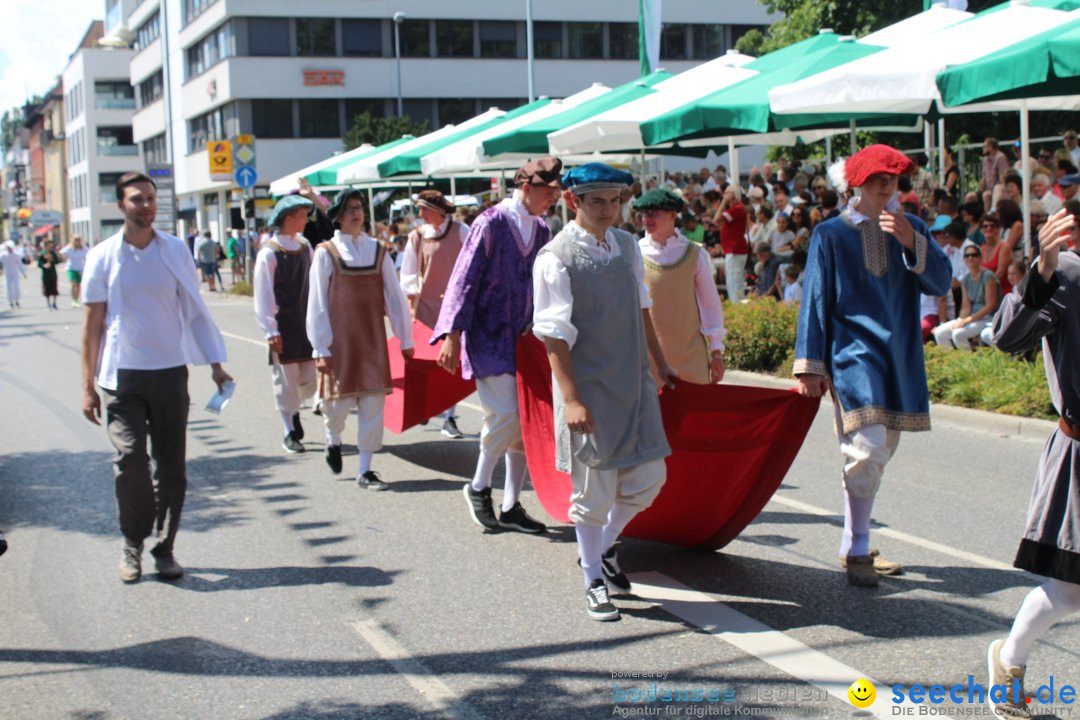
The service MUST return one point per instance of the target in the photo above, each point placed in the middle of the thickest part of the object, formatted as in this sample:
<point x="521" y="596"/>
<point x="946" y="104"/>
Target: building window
<point x="151" y="89"/>
<point x="359" y="106"/>
<point x="319" y="119"/>
<point x="708" y="41"/>
<point x="498" y="39"/>
<point x="315" y="37"/>
<point x="453" y="111"/>
<point x="454" y="38"/>
<point x="415" y="41"/>
<point x="154" y="150"/>
<point x="737" y="31"/>
<point x="419" y="110"/>
<point x="361" y="38"/>
<point x="115" y="140"/>
<point x="149" y="31"/>
<point x="547" y="40"/>
<point x="107" y="186"/>
<point x="624" y="41"/>
<point x="215" y="125"/>
<point x="195" y="8"/>
<point x="111" y="227"/>
<point x="215" y="47"/>
<point x="673" y="42"/>
<point x="114" y="95"/>
<point x="586" y="40"/>
<point x="272" y="118"/>
<point x="268" y="36"/>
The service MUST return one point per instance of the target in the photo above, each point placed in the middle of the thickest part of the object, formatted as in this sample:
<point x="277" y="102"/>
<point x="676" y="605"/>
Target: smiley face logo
<point x="861" y="693"/>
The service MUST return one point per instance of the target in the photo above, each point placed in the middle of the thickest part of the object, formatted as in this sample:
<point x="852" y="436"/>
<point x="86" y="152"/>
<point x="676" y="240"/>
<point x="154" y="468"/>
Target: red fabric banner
<point x="731" y="447"/>
<point x="422" y="389"/>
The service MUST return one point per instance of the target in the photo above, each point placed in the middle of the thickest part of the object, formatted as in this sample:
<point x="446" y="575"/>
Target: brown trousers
<point x="154" y="404"/>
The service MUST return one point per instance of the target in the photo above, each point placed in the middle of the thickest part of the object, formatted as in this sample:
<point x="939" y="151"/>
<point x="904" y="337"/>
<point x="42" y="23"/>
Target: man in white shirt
<point x="75" y="254"/>
<point x="144" y="323"/>
<point x="281" y="296"/>
<point x="11" y="260"/>
<point x="591" y="310"/>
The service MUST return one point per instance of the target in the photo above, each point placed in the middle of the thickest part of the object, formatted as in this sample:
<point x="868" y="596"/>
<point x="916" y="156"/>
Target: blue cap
<point x="940" y="223"/>
<point x="595" y="176"/>
<point x="287" y="203"/>
<point x="1069" y="180"/>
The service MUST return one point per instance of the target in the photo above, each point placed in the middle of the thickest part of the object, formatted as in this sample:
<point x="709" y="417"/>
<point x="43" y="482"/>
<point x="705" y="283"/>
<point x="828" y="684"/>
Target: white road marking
<point x="241" y="338"/>
<point x="758" y="640"/>
<point x="431" y="688"/>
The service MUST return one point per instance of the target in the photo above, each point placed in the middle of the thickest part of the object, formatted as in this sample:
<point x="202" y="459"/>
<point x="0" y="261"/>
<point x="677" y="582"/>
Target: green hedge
<point x="761" y="338"/>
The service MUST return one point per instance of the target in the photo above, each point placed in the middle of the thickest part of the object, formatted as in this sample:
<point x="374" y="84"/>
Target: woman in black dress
<point x="48" y="260"/>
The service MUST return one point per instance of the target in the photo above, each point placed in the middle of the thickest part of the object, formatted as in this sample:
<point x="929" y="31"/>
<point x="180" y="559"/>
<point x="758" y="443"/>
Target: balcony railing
<point x="113" y="103"/>
<point x="108" y="148"/>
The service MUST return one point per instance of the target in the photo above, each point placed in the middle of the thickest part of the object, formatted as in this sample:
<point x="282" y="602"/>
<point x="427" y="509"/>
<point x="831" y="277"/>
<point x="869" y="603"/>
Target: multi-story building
<point x="296" y="75"/>
<point x="55" y="159"/>
<point x="98" y="105"/>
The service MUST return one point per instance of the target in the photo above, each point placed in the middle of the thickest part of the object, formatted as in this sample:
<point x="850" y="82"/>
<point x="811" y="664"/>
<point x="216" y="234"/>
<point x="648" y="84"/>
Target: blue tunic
<point x="859" y="320"/>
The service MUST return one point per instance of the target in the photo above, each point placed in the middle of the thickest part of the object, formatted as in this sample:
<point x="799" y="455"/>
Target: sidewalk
<point x="972" y="419"/>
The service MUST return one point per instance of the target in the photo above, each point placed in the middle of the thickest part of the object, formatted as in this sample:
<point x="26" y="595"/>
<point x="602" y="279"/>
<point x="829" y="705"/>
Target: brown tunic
<point x="435" y="258"/>
<point x="676" y="316"/>
<point x="359" y="363"/>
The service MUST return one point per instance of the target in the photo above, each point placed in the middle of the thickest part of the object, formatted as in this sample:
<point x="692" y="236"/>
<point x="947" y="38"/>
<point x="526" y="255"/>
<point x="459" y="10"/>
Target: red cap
<point x="873" y="160"/>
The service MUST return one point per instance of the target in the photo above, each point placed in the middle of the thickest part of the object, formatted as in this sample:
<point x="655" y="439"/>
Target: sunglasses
<point x="990" y="225"/>
<point x="972" y="254"/>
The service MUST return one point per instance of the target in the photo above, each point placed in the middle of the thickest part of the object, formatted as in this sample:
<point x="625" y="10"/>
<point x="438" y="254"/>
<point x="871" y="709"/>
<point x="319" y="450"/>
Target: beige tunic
<point x="676" y="317"/>
<point x="359" y="363"/>
<point x="435" y="258"/>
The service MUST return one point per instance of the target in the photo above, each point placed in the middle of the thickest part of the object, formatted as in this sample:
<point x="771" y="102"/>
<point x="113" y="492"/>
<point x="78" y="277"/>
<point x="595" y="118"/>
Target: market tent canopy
<point x="409" y="161"/>
<point x="324" y="173"/>
<point x="467" y="154"/>
<point x="902" y="78"/>
<point x="1047" y="64"/>
<point x="619" y="127"/>
<point x="533" y="138"/>
<point x="366" y="169"/>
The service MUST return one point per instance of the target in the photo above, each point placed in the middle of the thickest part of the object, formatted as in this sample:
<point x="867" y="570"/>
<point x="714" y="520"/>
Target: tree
<point x="368" y="128"/>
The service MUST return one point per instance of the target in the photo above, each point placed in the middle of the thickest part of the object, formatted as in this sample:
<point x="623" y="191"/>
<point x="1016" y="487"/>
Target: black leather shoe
<point x="298" y="429"/>
<point x="333" y="458"/>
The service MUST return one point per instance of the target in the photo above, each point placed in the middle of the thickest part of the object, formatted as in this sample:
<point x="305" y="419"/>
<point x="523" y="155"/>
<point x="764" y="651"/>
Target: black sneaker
<point x="333" y="458"/>
<point x="167" y="567"/>
<point x="517" y="519"/>
<point x="298" y="429"/>
<point x="317" y="410"/>
<point x="450" y="429"/>
<point x="480" y="507"/>
<point x="615" y="577"/>
<point x="371" y="481"/>
<point x="131" y="563"/>
<point x="291" y="443"/>
<point x="598" y="603"/>
<point x="3" y="544"/>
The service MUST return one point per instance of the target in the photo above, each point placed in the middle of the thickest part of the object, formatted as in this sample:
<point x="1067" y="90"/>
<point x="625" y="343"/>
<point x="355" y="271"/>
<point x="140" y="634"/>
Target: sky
<point x="36" y="38"/>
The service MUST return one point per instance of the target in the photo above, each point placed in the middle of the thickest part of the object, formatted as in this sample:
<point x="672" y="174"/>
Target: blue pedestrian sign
<point x="245" y="177"/>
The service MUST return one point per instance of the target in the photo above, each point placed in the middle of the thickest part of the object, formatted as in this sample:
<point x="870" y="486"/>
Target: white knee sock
<point x="365" y="462"/>
<point x="1047" y="604"/>
<point x="515" y="478"/>
<point x="286" y="420"/>
<point x="485" y="465"/>
<point x="856" y="537"/>
<point x="589" y="539"/>
<point x="618" y="518"/>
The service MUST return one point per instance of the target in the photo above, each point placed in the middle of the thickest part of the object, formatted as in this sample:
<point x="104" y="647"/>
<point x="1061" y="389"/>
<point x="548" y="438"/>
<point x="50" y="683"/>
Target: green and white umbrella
<point x="324" y="173"/>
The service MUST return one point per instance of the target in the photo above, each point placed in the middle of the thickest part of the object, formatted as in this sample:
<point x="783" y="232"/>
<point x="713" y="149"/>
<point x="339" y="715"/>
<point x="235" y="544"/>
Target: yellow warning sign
<point x="221" y="159"/>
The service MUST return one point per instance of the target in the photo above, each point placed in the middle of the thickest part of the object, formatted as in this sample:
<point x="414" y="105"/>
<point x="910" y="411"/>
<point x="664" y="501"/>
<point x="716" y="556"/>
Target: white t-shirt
<point x="793" y="293"/>
<point x="76" y="257"/>
<point x="152" y="334"/>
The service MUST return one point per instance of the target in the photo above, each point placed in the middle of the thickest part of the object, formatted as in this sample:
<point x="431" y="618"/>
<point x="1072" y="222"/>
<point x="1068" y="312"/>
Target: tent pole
<point x="370" y="207"/>
<point x="828" y="150"/>
<point x="1025" y="177"/>
<point x="733" y="160"/>
<point x="941" y="150"/>
<point x="852" y="130"/>
<point x="928" y="139"/>
<point x="453" y="186"/>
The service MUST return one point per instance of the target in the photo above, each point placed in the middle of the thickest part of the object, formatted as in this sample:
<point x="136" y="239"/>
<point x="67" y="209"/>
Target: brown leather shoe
<point x="882" y="565"/>
<point x="860" y="571"/>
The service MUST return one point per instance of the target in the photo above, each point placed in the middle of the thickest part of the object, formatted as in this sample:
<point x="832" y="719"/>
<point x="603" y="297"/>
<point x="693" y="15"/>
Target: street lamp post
<point x="399" y="16"/>
<point x="529" y="54"/>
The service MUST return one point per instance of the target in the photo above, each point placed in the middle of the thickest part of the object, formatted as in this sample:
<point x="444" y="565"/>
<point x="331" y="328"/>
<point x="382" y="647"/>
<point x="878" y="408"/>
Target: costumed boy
<point x="859" y="334"/>
<point x="592" y="313"/>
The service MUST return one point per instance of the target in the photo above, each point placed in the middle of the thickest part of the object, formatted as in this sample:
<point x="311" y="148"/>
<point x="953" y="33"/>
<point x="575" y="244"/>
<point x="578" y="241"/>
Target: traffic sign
<point x="221" y="159"/>
<point x="246" y="177"/>
<point x="244" y="149"/>
<point x="40" y="218"/>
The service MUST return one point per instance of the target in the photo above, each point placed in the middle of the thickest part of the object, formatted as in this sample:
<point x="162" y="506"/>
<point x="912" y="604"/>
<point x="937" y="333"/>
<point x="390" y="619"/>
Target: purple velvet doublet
<point x="489" y="296"/>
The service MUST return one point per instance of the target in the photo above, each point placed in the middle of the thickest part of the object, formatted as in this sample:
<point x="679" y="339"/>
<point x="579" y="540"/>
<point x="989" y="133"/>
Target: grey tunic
<point x="611" y="362"/>
<point x="1041" y="311"/>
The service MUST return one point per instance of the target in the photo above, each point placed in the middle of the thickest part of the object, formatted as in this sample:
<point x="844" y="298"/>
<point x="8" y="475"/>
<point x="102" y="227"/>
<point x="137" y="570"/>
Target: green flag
<point x="649" y="35"/>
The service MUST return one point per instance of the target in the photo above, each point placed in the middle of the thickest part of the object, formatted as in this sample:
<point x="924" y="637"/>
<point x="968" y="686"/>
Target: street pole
<point x="399" y="16"/>
<point x="529" y="41"/>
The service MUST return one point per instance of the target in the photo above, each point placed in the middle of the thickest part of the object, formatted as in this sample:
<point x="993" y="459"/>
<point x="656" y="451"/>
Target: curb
<point x="972" y="419"/>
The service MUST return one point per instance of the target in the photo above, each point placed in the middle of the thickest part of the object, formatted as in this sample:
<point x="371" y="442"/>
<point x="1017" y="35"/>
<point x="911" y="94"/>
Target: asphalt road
<point x="307" y="597"/>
